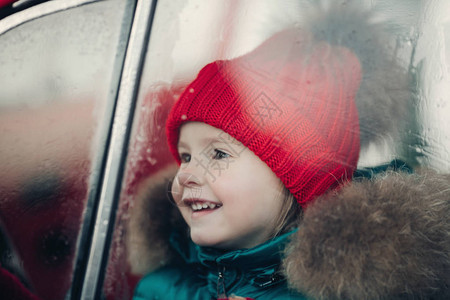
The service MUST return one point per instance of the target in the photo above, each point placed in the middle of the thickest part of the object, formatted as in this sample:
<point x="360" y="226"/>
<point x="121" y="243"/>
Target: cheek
<point x="185" y="212"/>
<point x="258" y="195"/>
<point x="252" y="183"/>
<point x="176" y="190"/>
<point x="245" y="191"/>
<point x="233" y="186"/>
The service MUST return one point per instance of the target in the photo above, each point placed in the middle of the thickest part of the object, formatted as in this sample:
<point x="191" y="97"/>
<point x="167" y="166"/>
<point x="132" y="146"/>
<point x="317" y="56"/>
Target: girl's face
<point x="229" y="198"/>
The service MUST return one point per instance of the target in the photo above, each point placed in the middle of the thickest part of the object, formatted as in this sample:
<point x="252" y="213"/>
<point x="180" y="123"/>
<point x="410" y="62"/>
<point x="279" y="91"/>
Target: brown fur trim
<point x="386" y="238"/>
<point x="152" y="220"/>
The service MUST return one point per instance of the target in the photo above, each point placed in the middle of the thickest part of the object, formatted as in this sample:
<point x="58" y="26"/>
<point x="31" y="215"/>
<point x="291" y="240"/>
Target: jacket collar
<point x="259" y="265"/>
<point x="266" y="254"/>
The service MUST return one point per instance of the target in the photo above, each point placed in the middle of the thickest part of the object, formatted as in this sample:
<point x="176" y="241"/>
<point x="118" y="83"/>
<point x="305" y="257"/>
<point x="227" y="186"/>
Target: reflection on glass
<point x="56" y="74"/>
<point x="186" y="35"/>
<point x="432" y="72"/>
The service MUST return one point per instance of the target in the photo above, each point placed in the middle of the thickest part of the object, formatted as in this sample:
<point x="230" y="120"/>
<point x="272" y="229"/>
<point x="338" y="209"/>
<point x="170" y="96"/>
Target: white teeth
<point x="196" y="206"/>
<point x="200" y="206"/>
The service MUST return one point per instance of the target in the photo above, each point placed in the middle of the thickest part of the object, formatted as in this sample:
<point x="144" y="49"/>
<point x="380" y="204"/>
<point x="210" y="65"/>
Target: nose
<point x="187" y="179"/>
<point x="185" y="182"/>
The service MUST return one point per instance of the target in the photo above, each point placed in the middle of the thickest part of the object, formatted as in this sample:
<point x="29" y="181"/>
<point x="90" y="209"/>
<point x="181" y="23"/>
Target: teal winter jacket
<point x="206" y="273"/>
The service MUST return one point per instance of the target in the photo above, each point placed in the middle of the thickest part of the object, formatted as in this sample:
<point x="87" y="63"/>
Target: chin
<point x="205" y="241"/>
<point x="209" y="241"/>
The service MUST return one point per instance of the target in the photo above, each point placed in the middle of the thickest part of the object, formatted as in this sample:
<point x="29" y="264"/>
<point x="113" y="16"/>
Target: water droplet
<point x="191" y="90"/>
<point x="183" y="117"/>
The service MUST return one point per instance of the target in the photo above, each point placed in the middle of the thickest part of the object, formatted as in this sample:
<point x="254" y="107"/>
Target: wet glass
<point x="188" y="34"/>
<point x="59" y="73"/>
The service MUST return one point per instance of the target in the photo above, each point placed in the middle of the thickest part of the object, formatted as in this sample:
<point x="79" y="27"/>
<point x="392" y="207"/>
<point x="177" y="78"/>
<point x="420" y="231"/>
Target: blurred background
<point x="61" y="71"/>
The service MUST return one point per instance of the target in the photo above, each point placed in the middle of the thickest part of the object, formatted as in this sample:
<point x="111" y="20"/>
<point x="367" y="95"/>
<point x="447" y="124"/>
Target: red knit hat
<point x="290" y="101"/>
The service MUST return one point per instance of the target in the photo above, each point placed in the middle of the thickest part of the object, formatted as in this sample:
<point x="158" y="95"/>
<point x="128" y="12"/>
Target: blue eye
<point x="185" y="157"/>
<point x="220" y="154"/>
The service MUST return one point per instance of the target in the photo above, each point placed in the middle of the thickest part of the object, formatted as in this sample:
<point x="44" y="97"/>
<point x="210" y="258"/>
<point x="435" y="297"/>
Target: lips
<point x="199" y="205"/>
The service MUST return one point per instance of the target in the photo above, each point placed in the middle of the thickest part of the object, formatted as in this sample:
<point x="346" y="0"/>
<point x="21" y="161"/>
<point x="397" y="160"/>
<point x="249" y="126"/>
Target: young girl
<point x="267" y="145"/>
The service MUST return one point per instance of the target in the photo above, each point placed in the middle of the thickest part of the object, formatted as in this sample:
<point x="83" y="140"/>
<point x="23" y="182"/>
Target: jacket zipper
<point x="221" y="293"/>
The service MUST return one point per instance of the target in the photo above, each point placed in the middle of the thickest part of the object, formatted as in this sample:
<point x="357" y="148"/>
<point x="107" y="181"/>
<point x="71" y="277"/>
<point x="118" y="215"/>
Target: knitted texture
<point x="290" y="101"/>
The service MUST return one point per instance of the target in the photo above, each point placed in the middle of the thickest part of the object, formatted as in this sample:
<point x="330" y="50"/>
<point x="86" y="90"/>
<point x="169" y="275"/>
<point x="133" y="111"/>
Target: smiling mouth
<point x="198" y="205"/>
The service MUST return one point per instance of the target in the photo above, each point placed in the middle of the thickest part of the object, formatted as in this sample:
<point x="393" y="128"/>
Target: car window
<point x="60" y="67"/>
<point x="85" y="91"/>
<point x="187" y="34"/>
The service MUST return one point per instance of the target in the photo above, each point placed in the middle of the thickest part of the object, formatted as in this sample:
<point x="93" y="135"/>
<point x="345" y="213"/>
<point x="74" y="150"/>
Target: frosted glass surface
<point x="187" y="34"/>
<point x="56" y="73"/>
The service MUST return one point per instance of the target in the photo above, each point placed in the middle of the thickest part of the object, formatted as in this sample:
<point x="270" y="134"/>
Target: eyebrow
<point x="211" y="140"/>
<point x="218" y="140"/>
<point x="181" y="144"/>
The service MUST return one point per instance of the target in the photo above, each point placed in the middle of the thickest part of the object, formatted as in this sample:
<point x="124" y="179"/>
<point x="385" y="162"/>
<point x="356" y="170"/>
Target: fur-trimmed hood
<point x="381" y="238"/>
<point x="385" y="238"/>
